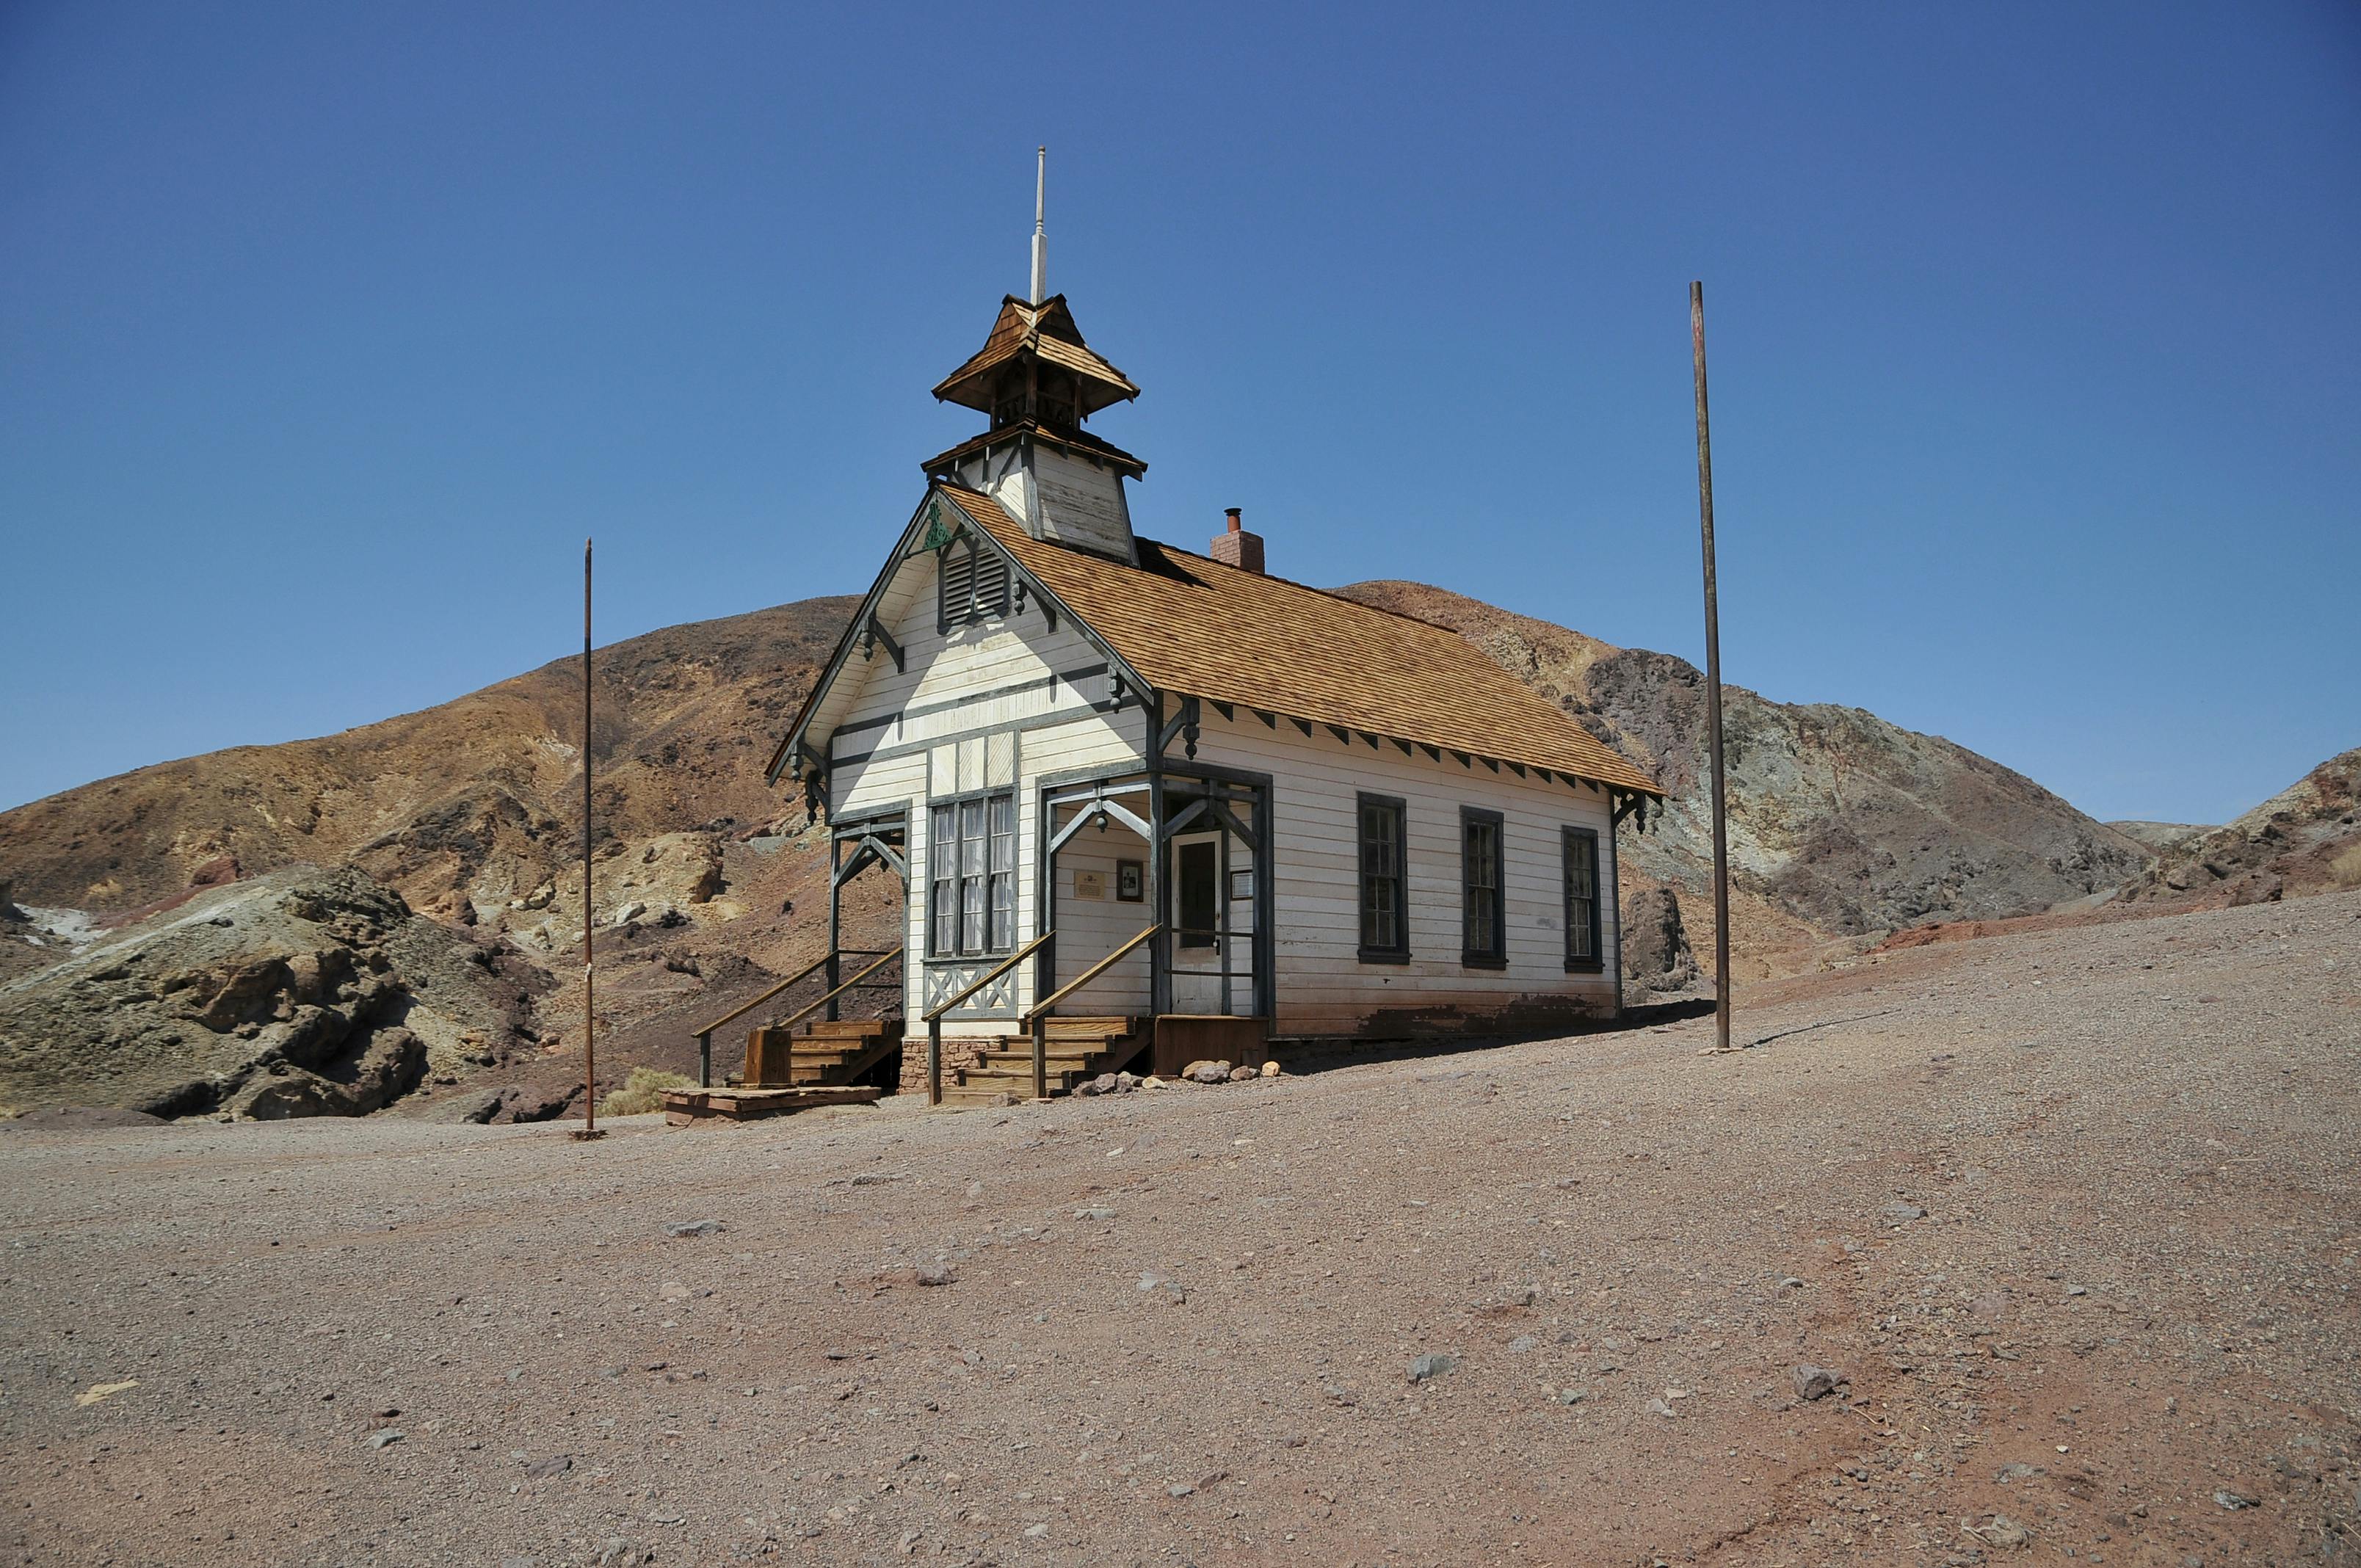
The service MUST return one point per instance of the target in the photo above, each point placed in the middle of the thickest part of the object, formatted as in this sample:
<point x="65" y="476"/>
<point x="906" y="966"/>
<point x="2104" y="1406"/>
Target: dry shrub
<point x="641" y="1092"/>
<point x="2346" y="868"/>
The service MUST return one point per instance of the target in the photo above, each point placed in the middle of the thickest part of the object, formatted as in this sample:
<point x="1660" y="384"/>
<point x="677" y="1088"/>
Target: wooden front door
<point x="1211" y="919"/>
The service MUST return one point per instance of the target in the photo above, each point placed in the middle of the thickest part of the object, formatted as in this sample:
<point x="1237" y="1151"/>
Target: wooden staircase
<point x="1079" y="1049"/>
<point x="821" y="1053"/>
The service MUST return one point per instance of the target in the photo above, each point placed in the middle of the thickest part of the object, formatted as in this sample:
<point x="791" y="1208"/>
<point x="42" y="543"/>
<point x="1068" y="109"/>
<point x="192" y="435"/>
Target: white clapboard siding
<point x="1323" y="987"/>
<point x="1010" y="689"/>
<point x="1089" y="928"/>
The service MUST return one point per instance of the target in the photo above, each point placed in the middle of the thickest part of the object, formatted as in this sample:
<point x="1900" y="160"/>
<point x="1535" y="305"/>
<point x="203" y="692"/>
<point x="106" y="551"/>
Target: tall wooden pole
<point x="589" y="1035"/>
<point x="1712" y="686"/>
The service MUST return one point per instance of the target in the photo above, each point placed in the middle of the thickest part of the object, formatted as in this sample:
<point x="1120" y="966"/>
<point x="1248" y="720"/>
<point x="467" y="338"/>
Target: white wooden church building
<point x="1236" y="809"/>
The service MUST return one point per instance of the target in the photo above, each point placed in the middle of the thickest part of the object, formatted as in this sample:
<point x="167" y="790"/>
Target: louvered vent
<point x="990" y="586"/>
<point x="957" y="585"/>
<point x="973" y="585"/>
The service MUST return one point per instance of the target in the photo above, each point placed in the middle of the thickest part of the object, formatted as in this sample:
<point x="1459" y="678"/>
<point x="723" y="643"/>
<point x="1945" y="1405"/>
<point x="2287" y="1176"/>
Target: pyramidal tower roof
<point x="1035" y="365"/>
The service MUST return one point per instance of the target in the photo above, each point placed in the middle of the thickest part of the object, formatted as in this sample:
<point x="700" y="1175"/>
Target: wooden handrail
<point x="1005" y="965"/>
<point x="801" y="1013"/>
<point x="1088" y="975"/>
<point x="741" y="1011"/>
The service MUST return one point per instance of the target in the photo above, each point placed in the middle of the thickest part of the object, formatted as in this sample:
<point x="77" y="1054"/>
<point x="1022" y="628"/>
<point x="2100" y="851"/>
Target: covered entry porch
<point x="1152" y="908"/>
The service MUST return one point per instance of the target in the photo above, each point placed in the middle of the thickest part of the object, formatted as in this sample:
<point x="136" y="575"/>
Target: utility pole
<point x="1712" y="686"/>
<point x="590" y="1128"/>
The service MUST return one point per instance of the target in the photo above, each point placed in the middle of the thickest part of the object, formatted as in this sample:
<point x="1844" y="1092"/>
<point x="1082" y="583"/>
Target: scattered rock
<point x="1095" y="1213"/>
<point x="1572" y="1395"/>
<point x="2009" y="1473"/>
<point x="1658" y="1408"/>
<point x="1272" y="1069"/>
<point x="1203" y="1071"/>
<point x="522" y="1104"/>
<point x="1816" y="1382"/>
<point x="554" y="1464"/>
<point x="1171" y="1288"/>
<point x="934" y="1273"/>
<point x="1998" y="1531"/>
<point x="1433" y="1364"/>
<point x="1240" y="1074"/>
<point x="1903" y="1214"/>
<point x="2235" y="1501"/>
<point x="1521" y="1343"/>
<point x="1179" y="1489"/>
<point x="696" y="1228"/>
<point x="385" y="1437"/>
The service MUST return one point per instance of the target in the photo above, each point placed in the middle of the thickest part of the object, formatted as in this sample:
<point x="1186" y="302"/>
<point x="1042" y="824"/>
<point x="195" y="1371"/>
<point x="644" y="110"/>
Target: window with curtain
<point x="971" y="861"/>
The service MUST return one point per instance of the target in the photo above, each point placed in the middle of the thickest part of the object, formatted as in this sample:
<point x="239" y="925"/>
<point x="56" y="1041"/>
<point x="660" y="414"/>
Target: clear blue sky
<point x="327" y="333"/>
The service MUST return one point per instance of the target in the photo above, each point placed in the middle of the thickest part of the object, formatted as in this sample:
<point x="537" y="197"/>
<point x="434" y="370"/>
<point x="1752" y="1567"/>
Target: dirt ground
<point x="1181" y="1325"/>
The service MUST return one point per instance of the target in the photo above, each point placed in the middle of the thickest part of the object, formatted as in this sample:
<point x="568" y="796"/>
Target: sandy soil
<point x="1181" y="1325"/>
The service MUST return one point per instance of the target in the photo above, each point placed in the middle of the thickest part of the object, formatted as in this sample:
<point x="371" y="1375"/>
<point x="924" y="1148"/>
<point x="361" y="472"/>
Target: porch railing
<point x="1037" y="1020"/>
<point x="934" y="1015"/>
<point x="829" y="966"/>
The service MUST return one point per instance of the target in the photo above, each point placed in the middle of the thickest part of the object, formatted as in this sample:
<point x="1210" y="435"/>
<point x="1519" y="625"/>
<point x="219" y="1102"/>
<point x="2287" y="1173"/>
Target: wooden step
<point x="1062" y="1027"/>
<point x="852" y="1028"/>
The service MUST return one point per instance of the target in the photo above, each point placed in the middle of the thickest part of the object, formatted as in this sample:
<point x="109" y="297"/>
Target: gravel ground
<point x="2072" y="1215"/>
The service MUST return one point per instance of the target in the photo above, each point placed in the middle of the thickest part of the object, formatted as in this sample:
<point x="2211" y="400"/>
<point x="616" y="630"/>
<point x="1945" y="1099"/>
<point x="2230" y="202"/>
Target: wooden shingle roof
<point x="1047" y="330"/>
<point x="1192" y="626"/>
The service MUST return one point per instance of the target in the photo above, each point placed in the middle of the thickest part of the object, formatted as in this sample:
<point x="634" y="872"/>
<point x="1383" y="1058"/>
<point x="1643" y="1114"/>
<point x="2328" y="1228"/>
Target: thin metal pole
<point x="589" y="1037"/>
<point x="1712" y="686"/>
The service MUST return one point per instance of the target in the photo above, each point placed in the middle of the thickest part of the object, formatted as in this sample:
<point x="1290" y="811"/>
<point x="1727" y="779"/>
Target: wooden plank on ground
<point x="684" y="1106"/>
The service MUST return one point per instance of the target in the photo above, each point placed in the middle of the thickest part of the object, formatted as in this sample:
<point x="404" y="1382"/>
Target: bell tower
<point x="1038" y="380"/>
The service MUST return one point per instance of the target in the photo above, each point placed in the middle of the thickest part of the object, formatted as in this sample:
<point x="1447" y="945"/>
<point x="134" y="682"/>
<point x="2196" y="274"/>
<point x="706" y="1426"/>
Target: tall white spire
<point x="1040" y="239"/>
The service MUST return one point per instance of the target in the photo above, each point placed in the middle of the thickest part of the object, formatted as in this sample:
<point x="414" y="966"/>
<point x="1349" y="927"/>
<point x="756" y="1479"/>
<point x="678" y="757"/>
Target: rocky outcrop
<point x="2304" y="839"/>
<point x="1656" y="956"/>
<point x="304" y="993"/>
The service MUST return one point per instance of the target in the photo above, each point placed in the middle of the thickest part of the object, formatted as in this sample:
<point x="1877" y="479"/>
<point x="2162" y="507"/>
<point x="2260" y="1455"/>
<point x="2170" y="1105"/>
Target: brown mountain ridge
<point x="1842" y="826"/>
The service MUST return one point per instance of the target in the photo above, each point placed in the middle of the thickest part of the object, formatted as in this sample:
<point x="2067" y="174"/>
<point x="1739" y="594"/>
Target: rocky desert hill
<point x="1840" y="823"/>
<point x="2305" y="840"/>
<point x="1843" y="826"/>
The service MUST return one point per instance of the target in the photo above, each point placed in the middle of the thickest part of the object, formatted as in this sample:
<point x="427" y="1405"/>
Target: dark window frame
<point x="1594" y="929"/>
<point x="1397" y="951"/>
<point x="1496" y="956"/>
<point x="986" y="578"/>
<point x="988" y="878"/>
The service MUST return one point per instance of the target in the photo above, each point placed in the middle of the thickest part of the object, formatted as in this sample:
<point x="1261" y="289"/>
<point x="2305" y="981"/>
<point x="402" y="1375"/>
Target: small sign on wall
<point x="1131" y="880"/>
<point x="1090" y="884"/>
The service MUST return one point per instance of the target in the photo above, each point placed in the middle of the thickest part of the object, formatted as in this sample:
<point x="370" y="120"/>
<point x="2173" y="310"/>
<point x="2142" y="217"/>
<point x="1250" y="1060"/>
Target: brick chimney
<point x="1235" y="547"/>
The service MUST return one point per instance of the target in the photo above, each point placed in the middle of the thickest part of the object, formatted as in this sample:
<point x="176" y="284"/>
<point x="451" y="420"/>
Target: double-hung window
<point x="1583" y="949"/>
<point x="971" y="582"/>
<point x="1483" y="933"/>
<point x="1385" y="911"/>
<point x="971" y="857"/>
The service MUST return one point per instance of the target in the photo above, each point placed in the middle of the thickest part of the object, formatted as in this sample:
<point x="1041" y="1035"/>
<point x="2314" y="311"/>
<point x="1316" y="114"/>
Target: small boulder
<point x="1816" y="1382"/>
<point x="1432" y="1365"/>
<point x="1272" y="1069"/>
<point x="1207" y="1072"/>
<point x="934" y="1273"/>
<point x="1241" y="1073"/>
